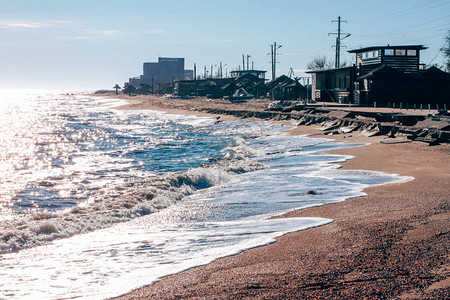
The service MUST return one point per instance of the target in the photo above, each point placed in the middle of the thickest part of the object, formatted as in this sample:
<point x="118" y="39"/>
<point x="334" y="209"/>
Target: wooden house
<point x="333" y="85"/>
<point x="258" y="73"/>
<point x="285" y="88"/>
<point x="389" y="87"/>
<point x="402" y="58"/>
<point x="384" y="76"/>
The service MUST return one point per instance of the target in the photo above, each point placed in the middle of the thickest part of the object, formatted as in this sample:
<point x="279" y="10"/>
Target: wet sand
<point x="394" y="243"/>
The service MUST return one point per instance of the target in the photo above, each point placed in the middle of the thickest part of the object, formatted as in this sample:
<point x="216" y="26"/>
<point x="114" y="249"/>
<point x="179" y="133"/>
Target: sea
<point x="96" y="201"/>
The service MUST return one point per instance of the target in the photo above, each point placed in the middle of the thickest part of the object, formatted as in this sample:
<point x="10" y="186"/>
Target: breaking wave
<point x="125" y="203"/>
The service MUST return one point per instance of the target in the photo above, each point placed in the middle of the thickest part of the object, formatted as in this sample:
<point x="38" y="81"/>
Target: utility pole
<point x="204" y="73"/>
<point x="153" y="84"/>
<point x="195" y="78"/>
<point x="248" y="56"/>
<point x="243" y="62"/>
<point x="274" y="49"/>
<point x="211" y="71"/>
<point x="337" y="60"/>
<point x="220" y="72"/>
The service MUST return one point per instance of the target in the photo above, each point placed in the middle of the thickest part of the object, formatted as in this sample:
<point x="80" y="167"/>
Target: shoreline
<point x="356" y="255"/>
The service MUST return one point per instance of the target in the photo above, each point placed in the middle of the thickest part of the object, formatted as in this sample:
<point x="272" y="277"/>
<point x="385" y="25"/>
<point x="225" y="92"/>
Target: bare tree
<point x="344" y="64"/>
<point x="321" y="62"/>
<point x="318" y="63"/>
<point x="446" y="51"/>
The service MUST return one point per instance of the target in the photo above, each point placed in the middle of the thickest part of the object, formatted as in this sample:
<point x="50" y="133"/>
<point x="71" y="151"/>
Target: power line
<point x="440" y="50"/>
<point x="407" y="11"/>
<point x="411" y="27"/>
<point x="398" y="38"/>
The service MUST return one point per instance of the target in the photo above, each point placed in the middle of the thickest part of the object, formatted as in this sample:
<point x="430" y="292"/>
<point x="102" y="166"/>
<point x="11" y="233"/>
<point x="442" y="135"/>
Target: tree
<point x="129" y="89"/>
<point x="117" y="88"/>
<point x="446" y="51"/>
<point x="321" y="62"/>
<point x="144" y="89"/>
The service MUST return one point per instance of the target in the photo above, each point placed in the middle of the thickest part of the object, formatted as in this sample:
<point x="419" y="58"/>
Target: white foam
<point x="110" y="262"/>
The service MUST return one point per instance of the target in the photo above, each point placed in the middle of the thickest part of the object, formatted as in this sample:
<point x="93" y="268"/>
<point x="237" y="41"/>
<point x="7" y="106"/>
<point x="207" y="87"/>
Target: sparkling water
<point x="96" y="201"/>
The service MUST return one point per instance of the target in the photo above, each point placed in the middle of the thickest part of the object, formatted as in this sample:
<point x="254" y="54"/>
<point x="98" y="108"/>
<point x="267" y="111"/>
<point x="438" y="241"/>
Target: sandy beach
<point x="394" y="243"/>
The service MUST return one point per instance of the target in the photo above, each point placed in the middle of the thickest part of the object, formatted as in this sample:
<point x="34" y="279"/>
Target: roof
<point x="284" y="82"/>
<point x="248" y="71"/>
<point x="416" y="47"/>
<point x="433" y="73"/>
<point x="383" y="71"/>
<point x="328" y="70"/>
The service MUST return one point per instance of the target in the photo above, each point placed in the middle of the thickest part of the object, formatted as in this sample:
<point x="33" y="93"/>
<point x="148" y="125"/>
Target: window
<point x="370" y="55"/>
<point x="388" y="51"/>
<point x="400" y="52"/>
<point x="411" y="52"/>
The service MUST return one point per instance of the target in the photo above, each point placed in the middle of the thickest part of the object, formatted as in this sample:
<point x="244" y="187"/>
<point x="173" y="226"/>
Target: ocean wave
<point x="121" y="204"/>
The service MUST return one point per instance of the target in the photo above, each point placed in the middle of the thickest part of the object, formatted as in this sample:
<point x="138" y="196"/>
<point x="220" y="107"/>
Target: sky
<point x="94" y="44"/>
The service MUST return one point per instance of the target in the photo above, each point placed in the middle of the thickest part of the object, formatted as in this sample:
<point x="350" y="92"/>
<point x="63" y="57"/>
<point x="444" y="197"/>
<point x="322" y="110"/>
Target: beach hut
<point x="285" y="88"/>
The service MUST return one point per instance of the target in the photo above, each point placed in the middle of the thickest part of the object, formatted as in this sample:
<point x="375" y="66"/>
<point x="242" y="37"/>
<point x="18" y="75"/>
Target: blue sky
<point x="94" y="44"/>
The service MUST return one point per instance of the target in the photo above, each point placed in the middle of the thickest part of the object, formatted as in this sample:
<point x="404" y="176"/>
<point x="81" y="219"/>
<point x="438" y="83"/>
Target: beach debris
<point x="330" y="125"/>
<point x="440" y="123"/>
<point x="339" y="114"/>
<point x="371" y="130"/>
<point x="431" y="141"/>
<point x="434" y="128"/>
<point x="350" y="128"/>
<point x="396" y="141"/>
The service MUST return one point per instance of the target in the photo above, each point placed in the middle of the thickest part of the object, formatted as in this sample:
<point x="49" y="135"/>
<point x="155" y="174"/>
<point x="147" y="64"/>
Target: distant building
<point x="188" y="74"/>
<point x="164" y="71"/>
<point x="258" y="73"/>
<point x="383" y="76"/>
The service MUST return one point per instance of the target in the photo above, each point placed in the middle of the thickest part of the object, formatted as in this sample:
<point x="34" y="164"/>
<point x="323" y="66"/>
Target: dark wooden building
<point x="333" y="85"/>
<point x="258" y="73"/>
<point x="384" y="76"/>
<point x="285" y="88"/>
<point x="402" y="58"/>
